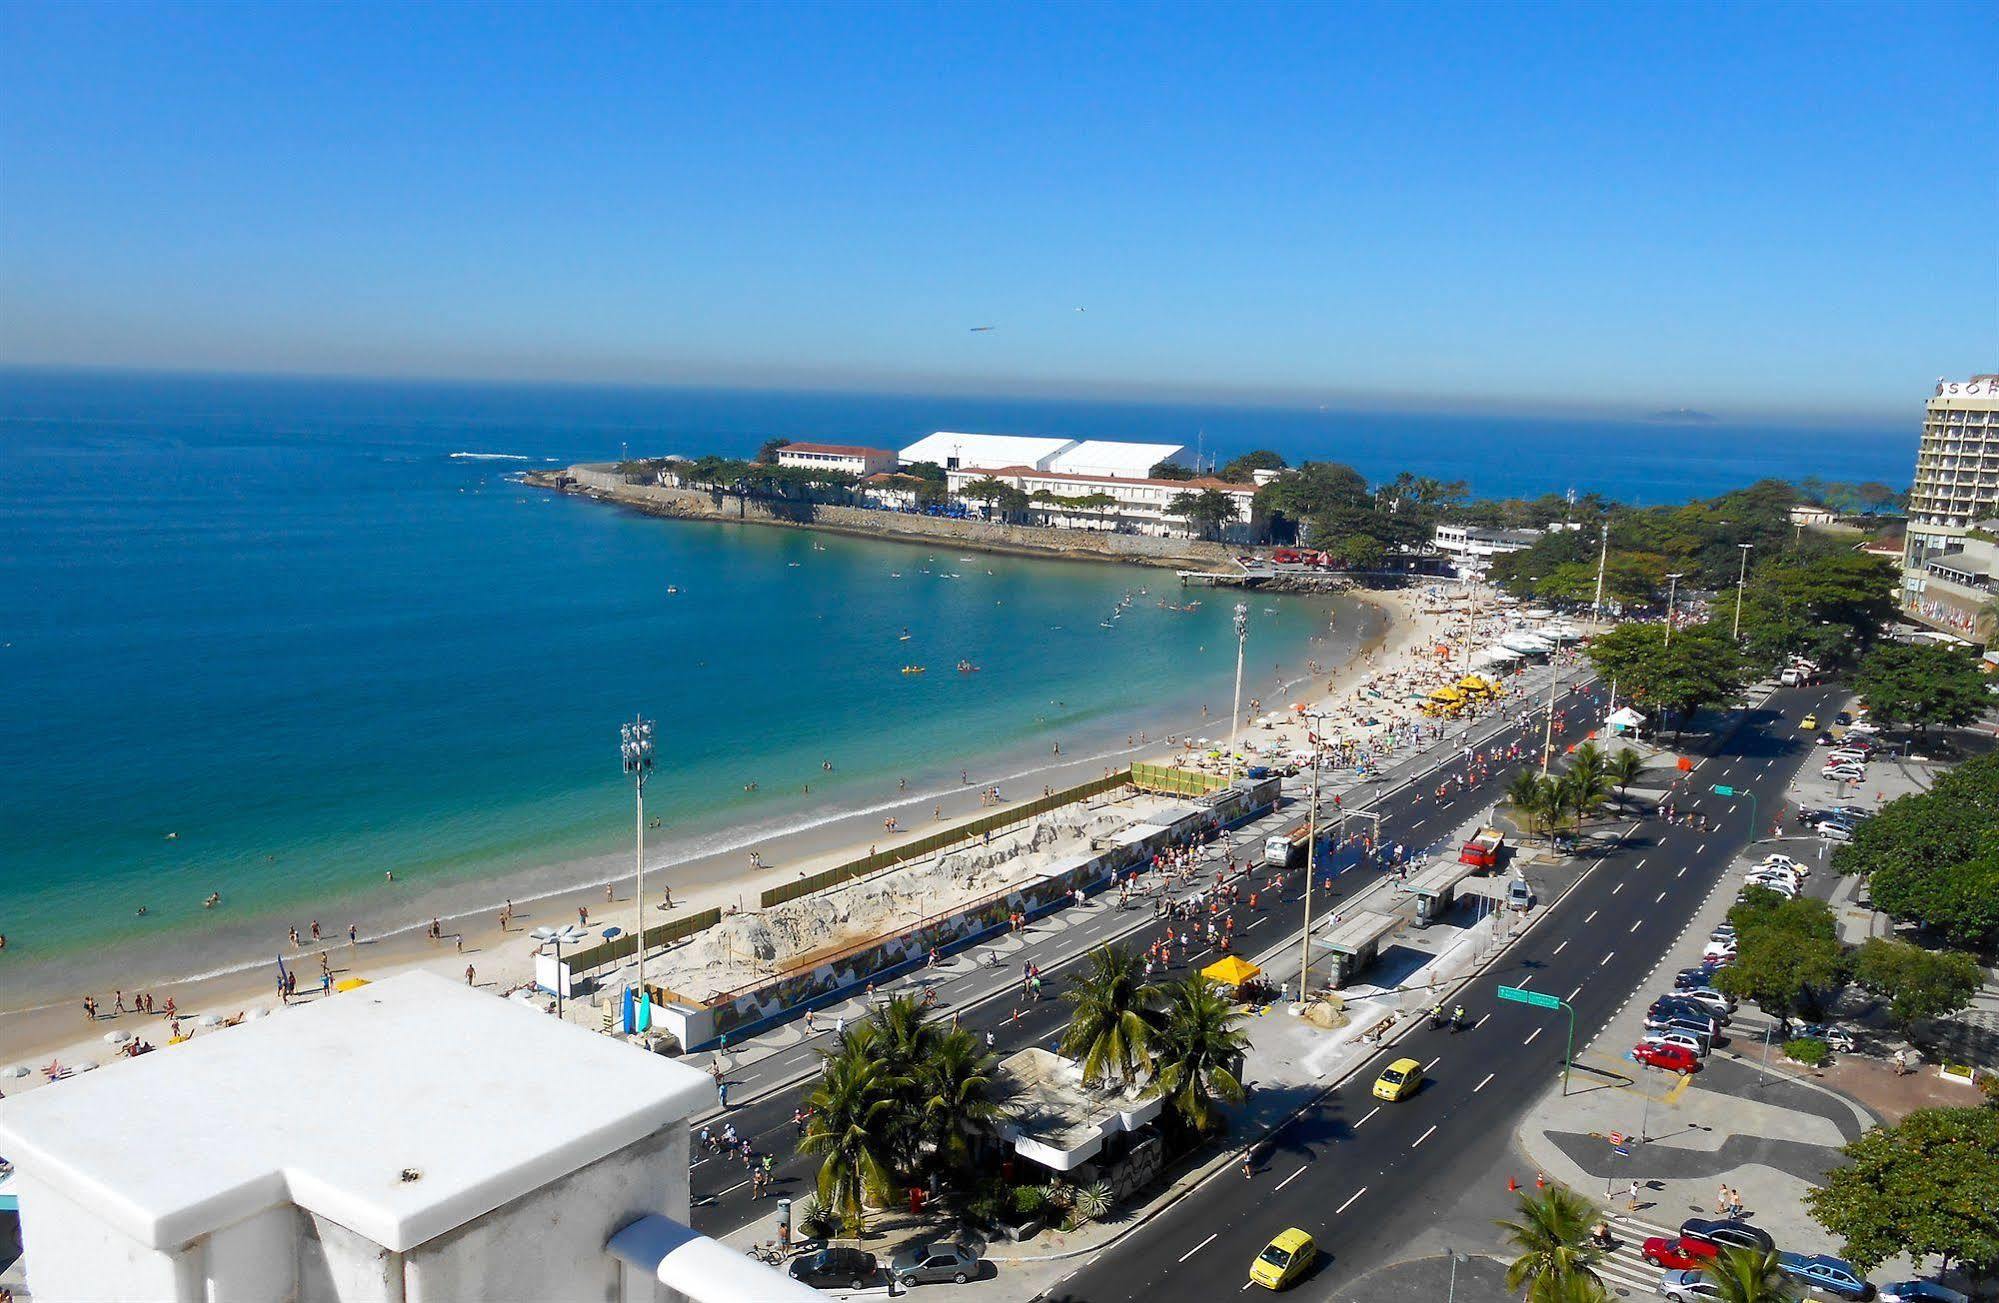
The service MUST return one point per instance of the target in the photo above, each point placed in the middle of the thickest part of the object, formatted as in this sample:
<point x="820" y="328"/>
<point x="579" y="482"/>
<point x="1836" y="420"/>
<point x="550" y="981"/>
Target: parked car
<point x="1825" y="740"/>
<point x="1823" y="1272"/>
<point x="1810" y="815"/>
<point x="1920" y="1291"/>
<point x="1788" y="890"/>
<point x="1848" y="755"/>
<point x="1715" y="1002"/>
<point x="1780" y="861"/>
<point x="1674" y="1253"/>
<point x="1836" y="832"/>
<point x="925" y="1264"/>
<point x="1688" y="978"/>
<point x="1686" y="1040"/>
<point x="1863" y="727"/>
<point x="1844" y="718"/>
<point x="1847" y="772"/>
<point x="1837" y="1038"/>
<point x="835" y="1268"/>
<point x="1719" y="950"/>
<point x="1667" y="1009"/>
<point x="1728" y="1233"/>
<point x="1687" y="1286"/>
<point x="1672" y="1058"/>
<point x="1776" y="880"/>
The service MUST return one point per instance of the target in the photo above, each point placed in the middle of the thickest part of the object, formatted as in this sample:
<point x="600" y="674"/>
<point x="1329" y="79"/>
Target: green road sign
<point x="1535" y="998"/>
<point x="1721" y="790"/>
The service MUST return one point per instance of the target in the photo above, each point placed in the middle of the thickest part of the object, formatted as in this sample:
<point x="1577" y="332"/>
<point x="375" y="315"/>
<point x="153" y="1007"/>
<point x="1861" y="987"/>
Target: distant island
<point x="1682" y="416"/>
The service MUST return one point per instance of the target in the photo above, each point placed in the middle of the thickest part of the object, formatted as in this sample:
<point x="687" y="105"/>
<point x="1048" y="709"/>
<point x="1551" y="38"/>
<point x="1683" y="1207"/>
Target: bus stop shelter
<point x="1354" y="943"/>
<point x="1436" y="887"/>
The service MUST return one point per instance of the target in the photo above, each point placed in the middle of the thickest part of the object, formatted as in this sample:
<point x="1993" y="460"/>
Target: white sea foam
<point x="489" y="456"/>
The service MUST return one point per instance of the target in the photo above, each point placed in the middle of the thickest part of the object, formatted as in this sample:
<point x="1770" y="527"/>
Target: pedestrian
<point x="468" y="974"/>
<point x="1631" y="1201"/>
<point x="353" y="934"/>
<point x="989" y="1038"/>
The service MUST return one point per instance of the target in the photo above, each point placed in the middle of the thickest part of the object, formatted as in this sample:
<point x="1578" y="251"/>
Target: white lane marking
<point x="1481" y="1086"/>
<point x="1433" y="1063"/>
<point x="1198" y="1247"/>
<point x="1591" y="919"/>
<point x="1656" y="899"/>
<point x="1289" y="1179"/>
<point x="1641" y="864"/>
<point x="1530" y="1038"/>
<point x="1370" y="1113"/>
<point x="1349" y="1203"/>
<point x="1425" y="1136"/>
<point x="1578" y="991"/>
<point x="1700" y="848"/>
<point x="1559" y="949"/>
<point x="1634" y="926"/>
<point x="1522" y="983"/>
<point x="1606" y="959"/>
<point x="1481" y="1021"/>
<point x="1619" y="887"/>
<point x="1682" y="873"/>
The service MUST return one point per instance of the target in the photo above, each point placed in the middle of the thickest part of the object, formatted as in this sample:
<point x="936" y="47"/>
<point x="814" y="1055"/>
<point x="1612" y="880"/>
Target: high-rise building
<point x="1950" y="561"/>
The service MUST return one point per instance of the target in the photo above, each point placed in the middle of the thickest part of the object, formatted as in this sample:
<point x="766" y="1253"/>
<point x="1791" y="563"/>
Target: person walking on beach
<point x="468" y="975"/>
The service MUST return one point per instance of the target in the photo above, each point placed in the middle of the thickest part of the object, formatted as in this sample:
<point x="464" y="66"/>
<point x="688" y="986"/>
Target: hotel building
<point x="1951" y="553"/>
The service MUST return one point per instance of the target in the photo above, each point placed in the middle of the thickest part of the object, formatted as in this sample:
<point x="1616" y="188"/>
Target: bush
<point x="1809" y="1051"/>
<point x="1028" y="1201"/>
<point x="991" y="1204"/>
<point x="814" y="1222"/>
<point x="1093" y="1201"/>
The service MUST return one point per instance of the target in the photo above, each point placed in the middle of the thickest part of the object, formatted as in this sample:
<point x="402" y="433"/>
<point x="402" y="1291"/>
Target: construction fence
<point x="1176" y="781"/>
<point x="609" y="952"/>
<point x="922" y="846"/>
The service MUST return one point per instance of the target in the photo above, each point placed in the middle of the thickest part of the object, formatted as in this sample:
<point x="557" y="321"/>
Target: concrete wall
<point x="72" y="1255"/>
<point x="700" y="504"/>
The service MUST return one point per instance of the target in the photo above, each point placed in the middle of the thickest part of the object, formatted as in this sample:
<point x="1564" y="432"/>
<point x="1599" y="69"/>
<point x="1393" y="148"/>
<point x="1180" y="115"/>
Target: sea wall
<point x="603" y="482"/>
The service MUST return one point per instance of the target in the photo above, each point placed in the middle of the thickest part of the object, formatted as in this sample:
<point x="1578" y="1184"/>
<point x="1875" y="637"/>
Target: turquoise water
<point x="313" y="652"/>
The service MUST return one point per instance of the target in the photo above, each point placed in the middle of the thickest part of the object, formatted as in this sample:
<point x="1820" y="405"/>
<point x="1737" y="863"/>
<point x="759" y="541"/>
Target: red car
<point x="1673" y="1058"/>
<point x="1681" y="1253"/>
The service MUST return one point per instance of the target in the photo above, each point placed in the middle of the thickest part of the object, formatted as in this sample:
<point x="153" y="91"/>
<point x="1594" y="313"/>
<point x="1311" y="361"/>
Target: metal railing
<point x="607" y="952"/>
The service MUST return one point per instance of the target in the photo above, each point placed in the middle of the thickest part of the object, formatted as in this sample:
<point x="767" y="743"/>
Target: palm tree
<point x="1552" y="1239"/>
<point x="963" y="1099"/>
<point x="1199" y="1045"/>
<point x="1524" y="795"/>
<point x="896" y="1037"/>
<point x="1109" y="1032"/>
<point x="1624" y="770"/>
<point x="851" y="1107"/>
<point x="1567" y="1289"/>
<point x="1588" y="781"/>
<point x="1749" y="1276"/>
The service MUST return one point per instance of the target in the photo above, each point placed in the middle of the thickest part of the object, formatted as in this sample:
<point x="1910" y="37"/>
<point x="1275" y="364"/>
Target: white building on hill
<point x="851" y="458"/>
<point x="991" y="452"/>
<point x="1113" y="504"/>
<point x="412" y="1141"/>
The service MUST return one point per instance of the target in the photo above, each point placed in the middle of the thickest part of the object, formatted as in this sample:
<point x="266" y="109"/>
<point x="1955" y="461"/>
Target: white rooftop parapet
<point x="700" y="1269"/>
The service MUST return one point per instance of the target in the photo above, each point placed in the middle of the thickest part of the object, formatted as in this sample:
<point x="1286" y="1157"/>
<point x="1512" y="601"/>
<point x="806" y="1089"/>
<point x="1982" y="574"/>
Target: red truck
<point x="1482" y="851"/>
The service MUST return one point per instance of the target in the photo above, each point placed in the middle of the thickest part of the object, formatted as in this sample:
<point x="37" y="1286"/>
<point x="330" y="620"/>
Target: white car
<point x="1845" y="773"/>
<point x="1787" y="890"/>
<point x="1846" y="756"/>
<point x="1685" y="1040"/>
<point x="1709" y="998"/>
<point x="1719" y="950"/>
<point x="1775" y="873"/>
<point x="1835" y="832"/>
<point x="1784" y="862"/>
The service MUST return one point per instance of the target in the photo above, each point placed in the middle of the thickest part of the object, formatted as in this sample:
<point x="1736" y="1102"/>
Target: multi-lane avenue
<point x="1365" y="1178"/>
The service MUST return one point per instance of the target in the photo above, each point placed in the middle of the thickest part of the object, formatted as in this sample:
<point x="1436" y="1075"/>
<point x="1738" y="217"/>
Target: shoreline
<point x="552" y="894"/>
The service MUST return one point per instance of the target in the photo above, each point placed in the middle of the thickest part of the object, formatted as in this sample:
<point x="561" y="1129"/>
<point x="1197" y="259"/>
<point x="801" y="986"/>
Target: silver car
<point x="1687" y="1287"/>
<point x="925" y="1264"/>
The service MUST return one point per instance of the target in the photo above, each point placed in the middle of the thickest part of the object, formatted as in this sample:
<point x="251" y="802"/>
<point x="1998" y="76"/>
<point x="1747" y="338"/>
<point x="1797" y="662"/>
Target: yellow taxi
<point x="1808" y="723"/>
<point x="1284" y="1260"/>
<point x="1399" y="1080"/>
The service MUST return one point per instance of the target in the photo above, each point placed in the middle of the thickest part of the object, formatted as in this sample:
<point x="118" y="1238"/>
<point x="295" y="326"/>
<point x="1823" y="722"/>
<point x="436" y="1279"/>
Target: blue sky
<point x="1781" y="209"/>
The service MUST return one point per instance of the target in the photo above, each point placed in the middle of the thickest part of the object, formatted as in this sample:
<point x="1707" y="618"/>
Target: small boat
<point x="912" y="669"/>
<point x="966" y="667"/>
<point x="672" y="589"/>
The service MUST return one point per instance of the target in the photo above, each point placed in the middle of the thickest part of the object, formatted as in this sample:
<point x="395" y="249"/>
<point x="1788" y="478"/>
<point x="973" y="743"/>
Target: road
<point x="1412" y="814"/>
<point x="1365" y="1178"/>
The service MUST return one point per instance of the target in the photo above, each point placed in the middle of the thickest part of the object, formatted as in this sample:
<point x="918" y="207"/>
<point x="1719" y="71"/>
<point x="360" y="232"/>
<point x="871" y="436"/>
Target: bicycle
<point x="767" y="1253"/>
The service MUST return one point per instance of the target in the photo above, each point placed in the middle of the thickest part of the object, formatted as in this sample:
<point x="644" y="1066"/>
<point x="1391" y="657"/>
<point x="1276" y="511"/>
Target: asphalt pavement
<point x="1367" y="1178"/>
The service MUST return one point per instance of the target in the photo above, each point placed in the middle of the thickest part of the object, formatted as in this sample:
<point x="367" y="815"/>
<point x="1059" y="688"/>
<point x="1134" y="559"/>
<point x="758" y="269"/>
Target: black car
<point x="1844" y="718"/>
<point x="1728" y="1234"/>
<point x="1825" y="740"/>
<point x="1691" y="979"/>
<point x="1668" y="1007"/>
<point x="841" y="1268"/>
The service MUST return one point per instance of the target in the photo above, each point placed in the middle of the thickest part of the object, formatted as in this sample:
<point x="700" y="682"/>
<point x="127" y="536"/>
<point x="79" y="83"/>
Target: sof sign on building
<point x="407" y="1142"/>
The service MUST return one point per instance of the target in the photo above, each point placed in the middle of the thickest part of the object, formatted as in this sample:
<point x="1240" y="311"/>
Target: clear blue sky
<point x="1780" y="208"/>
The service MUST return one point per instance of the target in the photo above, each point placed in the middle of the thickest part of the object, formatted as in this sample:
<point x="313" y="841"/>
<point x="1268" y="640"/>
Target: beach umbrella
<point x="16" y="1070"/>
<point x="209" y="1020"/>
<point x="84" y="1065"/>
<point x="117" y="1038"/>
<point x="259" y="1013"/>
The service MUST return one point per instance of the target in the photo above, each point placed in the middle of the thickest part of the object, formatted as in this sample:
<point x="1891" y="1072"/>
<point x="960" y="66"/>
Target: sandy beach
<point x="502" y="961"/>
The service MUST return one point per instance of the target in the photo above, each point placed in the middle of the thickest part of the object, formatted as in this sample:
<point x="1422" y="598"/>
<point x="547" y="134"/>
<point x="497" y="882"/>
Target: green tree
<point x="852" y="1107"/>
<point x="1932" y="858"/>
<point x="1926" y="1186"/>
<point x="1533" y="797"/>
<point x="1110" y="1034"/>
<point x="1550" y="1239"/>
<point x="767" y="452"/>
<point x="962" y="1098"/>
<point x="1206" y="512"/>
<point x="1172" y="470"/>
<point x="984" y="489"/>
<point x="1921" y="685"/>
<point x="1701" y="667"/>
<point x="1918" y="984"/>
<point x="1239" y="470"/>
<point x="1749" y="1276"/>
<point x="1788" y="957"/>
<point x="1829" y="608"/>
<point x="1624" y="769"/>
<point x="1587" y="781"/>
<point x="1199" y="1046"/>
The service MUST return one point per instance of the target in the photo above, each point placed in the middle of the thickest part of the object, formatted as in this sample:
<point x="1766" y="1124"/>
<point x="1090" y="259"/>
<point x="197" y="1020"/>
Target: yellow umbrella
<point x="1230" y="970"/>
<point x="350" y="983"/>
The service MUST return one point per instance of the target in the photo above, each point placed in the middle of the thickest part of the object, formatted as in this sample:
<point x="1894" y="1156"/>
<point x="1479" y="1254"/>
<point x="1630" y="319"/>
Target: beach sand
<point x="503" y="961"/>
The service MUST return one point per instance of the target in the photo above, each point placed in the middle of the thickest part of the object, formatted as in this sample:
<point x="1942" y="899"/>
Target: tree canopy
<point x="1922" y="685"/>
<point x="1788" y="957"/>
<point x="1207" y="511"/>
<point x="1932" y="858"/>
<point x="1917" y="983"/>
<point x="1828" y="608"/>
<point x="1701" y="667"/>
<point x="1927" y="1186"/>
<point x="1239" y="470"/>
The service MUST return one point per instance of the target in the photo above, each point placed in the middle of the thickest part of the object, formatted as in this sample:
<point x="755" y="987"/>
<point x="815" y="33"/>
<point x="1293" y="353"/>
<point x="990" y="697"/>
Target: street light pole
<point x="1311" y="870"/>
<point x="636" y="748"/>
<point x="1741" y="580"/>
<point x="1672" y="604"/>
<point x="1235" y="716"/>
<point x="1602" y="560"/>
<point x="1548" y="743"/>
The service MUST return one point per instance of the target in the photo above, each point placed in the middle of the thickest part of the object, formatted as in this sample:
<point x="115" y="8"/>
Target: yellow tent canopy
<point x="1230" y="970"/>
<point x="350" y="983"/>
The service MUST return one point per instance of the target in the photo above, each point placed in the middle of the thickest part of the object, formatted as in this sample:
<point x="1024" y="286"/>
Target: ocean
<point x="276" y="638"/>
